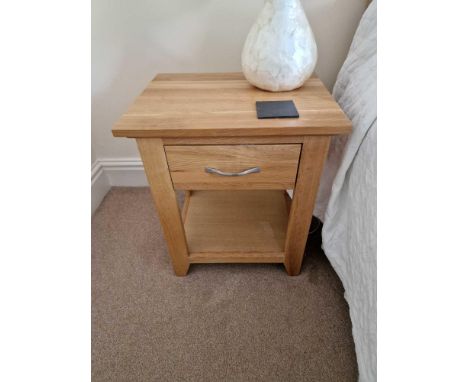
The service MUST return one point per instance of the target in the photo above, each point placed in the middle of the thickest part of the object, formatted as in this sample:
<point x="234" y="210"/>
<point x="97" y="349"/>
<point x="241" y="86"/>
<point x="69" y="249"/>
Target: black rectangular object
<point x="276" y="109"/>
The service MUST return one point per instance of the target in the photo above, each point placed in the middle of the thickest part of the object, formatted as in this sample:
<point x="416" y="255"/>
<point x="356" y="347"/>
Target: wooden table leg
<point x="313" y="155"/>
<point x="159" y="179"/>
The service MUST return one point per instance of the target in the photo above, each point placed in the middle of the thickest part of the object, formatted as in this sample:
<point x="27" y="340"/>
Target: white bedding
<point x="347" y="197"/>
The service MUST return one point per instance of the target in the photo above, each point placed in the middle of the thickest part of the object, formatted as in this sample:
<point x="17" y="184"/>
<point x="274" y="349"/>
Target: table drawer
<point x="218" y="167"/>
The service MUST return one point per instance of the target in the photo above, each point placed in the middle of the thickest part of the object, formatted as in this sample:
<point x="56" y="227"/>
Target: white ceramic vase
<point x="280" y="52"/>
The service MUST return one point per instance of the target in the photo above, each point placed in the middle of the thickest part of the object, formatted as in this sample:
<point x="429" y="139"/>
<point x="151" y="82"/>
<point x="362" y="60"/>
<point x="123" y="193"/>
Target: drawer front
<point x="220" y="167"/>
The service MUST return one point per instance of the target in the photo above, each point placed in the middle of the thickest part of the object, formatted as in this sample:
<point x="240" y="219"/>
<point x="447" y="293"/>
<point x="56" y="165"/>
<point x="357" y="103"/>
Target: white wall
<point x="134" y="40"/>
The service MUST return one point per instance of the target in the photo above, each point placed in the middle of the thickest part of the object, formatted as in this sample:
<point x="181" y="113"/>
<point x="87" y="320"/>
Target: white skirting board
<point x="106" y="173"/>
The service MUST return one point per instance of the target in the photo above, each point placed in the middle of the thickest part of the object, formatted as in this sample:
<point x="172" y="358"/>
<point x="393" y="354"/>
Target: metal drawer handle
<point x="212" y="170"/>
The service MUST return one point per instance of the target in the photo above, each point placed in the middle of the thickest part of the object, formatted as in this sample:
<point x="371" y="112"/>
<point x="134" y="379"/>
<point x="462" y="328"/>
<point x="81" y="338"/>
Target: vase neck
<point x="283" y="3"/>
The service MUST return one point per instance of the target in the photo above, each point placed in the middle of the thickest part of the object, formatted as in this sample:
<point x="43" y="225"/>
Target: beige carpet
<point x="220" y="323"/>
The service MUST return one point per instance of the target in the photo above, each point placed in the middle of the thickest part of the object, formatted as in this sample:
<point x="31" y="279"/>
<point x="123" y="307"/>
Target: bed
<point x="347" y="198"/>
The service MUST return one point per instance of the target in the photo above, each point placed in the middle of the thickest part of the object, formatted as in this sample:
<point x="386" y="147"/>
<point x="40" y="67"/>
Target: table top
<point x="223" y="105"/>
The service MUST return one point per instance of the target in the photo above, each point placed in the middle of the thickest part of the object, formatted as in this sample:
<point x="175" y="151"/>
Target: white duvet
<point x="347" y="197"/>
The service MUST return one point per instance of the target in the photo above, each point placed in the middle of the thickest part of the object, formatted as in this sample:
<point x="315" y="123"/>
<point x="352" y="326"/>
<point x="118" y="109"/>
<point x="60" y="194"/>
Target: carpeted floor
<point x="220" y="323"/>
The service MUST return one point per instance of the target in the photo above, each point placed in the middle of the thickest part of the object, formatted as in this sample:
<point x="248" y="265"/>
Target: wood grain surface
<point x="236" y="224"/>
<point x="277" y="163"/>
<point x="223" y="105"/>
<point x="159" y="179"/>
<point x="314" y="153"/>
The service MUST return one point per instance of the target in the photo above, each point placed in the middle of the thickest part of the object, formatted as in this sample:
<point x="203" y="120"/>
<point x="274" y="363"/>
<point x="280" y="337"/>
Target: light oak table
<point x="200" y="133"/>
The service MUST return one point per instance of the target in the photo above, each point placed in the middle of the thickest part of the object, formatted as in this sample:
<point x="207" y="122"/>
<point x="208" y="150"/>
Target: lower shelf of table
<point x="236" y="226"/>
<point x="236" y="257"/>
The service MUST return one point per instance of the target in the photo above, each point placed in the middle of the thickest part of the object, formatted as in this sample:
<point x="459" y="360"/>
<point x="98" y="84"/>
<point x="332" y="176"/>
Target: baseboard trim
<point x="100" y="185"/>
<point x="125" y="172"/>
<point x="118" y="172"/>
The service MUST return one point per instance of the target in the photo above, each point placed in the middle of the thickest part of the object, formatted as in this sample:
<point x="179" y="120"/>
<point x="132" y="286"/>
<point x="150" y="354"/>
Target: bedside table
<point x="200" y="133"/>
